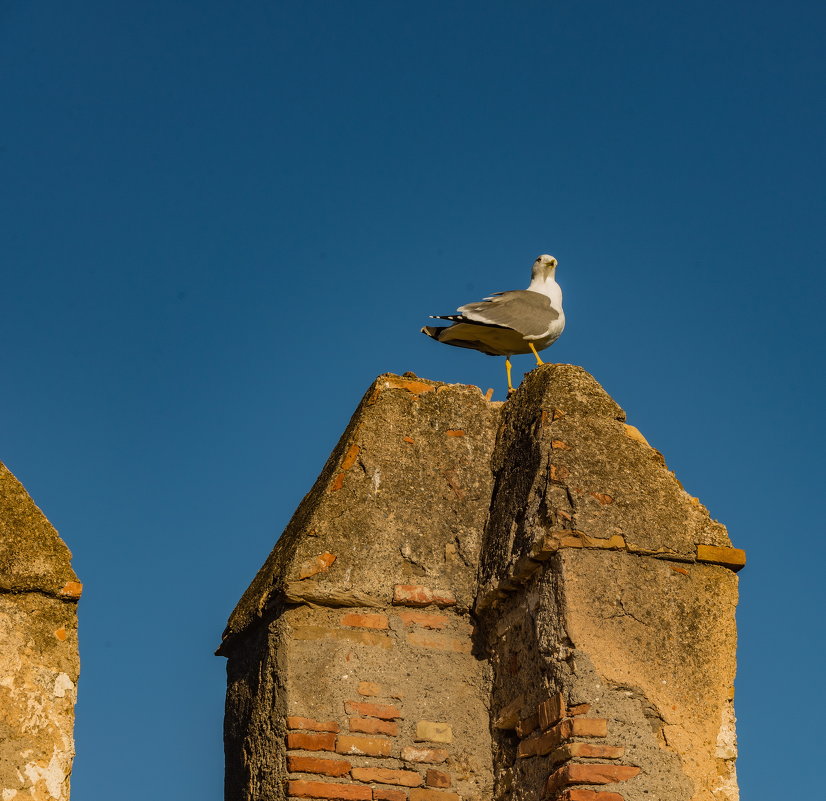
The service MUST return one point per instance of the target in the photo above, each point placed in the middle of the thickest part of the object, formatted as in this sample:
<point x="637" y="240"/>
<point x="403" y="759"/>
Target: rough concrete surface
<point x="39" y="660"/>
<point x="481" y="600"/>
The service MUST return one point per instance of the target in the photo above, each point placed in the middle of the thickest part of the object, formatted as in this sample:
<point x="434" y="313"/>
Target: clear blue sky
<point x="220" y="221"/>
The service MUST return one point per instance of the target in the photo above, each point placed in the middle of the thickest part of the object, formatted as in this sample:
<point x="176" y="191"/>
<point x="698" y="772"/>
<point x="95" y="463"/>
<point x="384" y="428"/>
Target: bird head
<point x="543" y="268"/>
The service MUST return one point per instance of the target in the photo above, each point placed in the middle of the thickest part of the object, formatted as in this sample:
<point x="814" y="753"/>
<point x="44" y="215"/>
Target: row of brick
<point x="436" y="641"/>
<point x="382" y="718"/>
<point x="299" y="788"/>
<point x="409" y="617"/>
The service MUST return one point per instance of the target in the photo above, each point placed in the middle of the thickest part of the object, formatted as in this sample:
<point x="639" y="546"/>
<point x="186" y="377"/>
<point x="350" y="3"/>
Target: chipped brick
<point x="374" y="726"/>
<point x="579" y="709"/>
<point x="363" y="745"/>
<point x="346" y="792"/>
<point x="586" y="751"/>
<point x="589" y="727"/>
<point x="588" y="795"/>
<point x="71" y="589"/>
<point x="383" y="794"/>
<point x="329" y="767"/>
<point x="433" y="732"/>
<point x="455" y="432"/>
<point x="527" y="725"/>
<point x="343" y="635"/>
<point x="434" y="756"/>
<point x="316" y="564"/>
<point x="437" y="778"/>
<point x="551" y="711"/>
<point x="559" y="445"/>
<point x="733" y="558"/>
<point x="406" y="778"/>
<point x="369" y="688"/>
<point x="350" y="457"/>
<point x="337" y="483"/>
<point x="427" y="620"/>
<point x="509" y="714"/>
<point x="384" y="711"/>
<point x="417" y="595"/>
<point x="297" y="740"/>
<point x="576" y="773"/>
<point x="308" y="724"/>
<point x="440" y="642"/>
<point x="365" y="620"/>
<point x="604" y="499"/>
<point x="420" y="794"/>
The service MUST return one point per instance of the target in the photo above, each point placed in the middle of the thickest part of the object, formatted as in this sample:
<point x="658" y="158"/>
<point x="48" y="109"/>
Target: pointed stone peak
<point x="32" y="555"/>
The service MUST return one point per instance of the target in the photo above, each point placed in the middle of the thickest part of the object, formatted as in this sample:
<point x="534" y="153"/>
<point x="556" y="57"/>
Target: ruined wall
<point x="39" y="659"/>
<point x="481" y="600"/>
<point x="607" y="614"/>
<point x="351" y="665"/>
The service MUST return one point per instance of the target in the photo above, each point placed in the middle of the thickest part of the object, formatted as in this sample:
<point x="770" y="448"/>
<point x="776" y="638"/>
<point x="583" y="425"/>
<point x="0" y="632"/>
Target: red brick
<point x="574" y="773"/>
<point x="440" y="642"/>
<point x="589" y="727"/>
<point x="380" y="794"/>
<point x="308" y="724"/>
<point x="365" y="621"/>
<point x="329" y="767"/>
<point x="384" y="711"/>
<point x="297" y="740"/>
<point x="432" y="795"/>
<point x="434" y="756"/>
<point x="316" y="564"/>
<point x="527" y="725"/>
<point x="588" y="795"/>
<point x="551" y="711"/>
<point x="417" y="595"/>
<point x="437" y="778"/>
<point x="358" y="744"/>
<point x="528" y="747"/>
<point x="348" y="792"/>
<point x="350" y="457"/>
<point x="579" y="709"/>
<point x="374" y="726"/>
<point x="545" y="743"/>
<point x="586" y="751"/>
<point x="455" y="432"/>
<point x="406" y="778"/>
<point x="427" y="620"/>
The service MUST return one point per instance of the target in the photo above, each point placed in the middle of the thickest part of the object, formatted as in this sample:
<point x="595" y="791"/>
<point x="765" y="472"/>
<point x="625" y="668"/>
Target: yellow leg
<point x="508" y="371"/>
<point x="538" y="360"/>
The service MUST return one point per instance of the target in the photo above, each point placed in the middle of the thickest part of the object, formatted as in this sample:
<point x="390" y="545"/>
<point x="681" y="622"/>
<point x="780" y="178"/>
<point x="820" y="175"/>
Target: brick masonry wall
<point x="488" y="601"/>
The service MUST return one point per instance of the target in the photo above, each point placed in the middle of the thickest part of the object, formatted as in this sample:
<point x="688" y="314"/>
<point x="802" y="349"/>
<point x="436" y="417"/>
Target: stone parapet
<point x="483" y="601"/>
<point x="39" y="663"/>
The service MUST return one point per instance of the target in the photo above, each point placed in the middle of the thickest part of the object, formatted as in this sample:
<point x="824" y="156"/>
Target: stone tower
<point x="39" y="659"/>
<point x="485" y="600"/>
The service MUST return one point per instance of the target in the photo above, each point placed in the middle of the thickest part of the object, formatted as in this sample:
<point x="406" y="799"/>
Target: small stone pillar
<point x="39" y="659"/>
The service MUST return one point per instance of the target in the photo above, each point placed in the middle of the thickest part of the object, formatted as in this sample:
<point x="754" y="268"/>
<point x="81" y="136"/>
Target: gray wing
<point x="529" y="313"/>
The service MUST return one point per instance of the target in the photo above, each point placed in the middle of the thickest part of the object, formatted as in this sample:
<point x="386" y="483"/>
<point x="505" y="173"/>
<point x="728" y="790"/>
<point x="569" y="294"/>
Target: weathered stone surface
<point x="39" y="656"/>
<point x="401" y="504"/>
<point x="601" y="649"/>
<point x="32" y="555"/>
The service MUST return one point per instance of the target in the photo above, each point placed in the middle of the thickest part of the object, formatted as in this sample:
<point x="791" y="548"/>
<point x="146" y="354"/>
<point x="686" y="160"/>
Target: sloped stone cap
<point x="569" y="470"/>
<point x="33" y="558"/>
<point x="407" y="486"/>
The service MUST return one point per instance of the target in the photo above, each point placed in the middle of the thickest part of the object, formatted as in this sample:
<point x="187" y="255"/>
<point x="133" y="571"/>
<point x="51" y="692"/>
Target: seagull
<point x="506" y="323"/>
